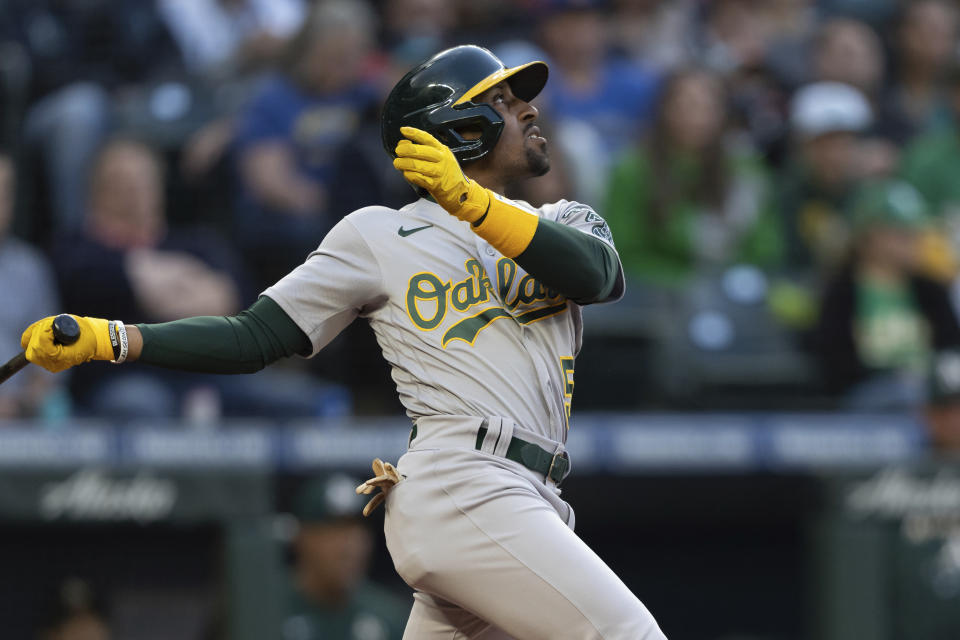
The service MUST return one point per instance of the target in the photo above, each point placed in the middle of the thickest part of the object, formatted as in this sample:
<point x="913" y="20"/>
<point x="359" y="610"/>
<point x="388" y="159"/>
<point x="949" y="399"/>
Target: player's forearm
<point x="583" y="268"/>
<point x="244" y="343"/>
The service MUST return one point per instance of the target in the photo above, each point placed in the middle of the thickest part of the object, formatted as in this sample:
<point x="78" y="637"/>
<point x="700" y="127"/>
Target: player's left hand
<point x="385" y="477"/>
<point x="428" y="163"/>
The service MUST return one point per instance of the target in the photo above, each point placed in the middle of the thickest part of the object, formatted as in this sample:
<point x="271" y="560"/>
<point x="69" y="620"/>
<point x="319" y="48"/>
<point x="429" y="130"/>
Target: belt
<point x="544" y="458"/>
<point x="533" y="457"/>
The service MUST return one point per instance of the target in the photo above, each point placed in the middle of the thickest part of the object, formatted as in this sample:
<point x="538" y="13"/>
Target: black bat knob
<point x="66" y="331"/>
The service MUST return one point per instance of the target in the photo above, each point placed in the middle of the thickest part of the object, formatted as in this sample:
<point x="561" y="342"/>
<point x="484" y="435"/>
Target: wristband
<point x="118" y="340"/>
<point x="508" y="228"/>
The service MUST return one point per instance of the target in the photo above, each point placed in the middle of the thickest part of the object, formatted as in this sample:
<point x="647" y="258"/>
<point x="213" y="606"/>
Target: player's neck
<point x="486" y="178"/>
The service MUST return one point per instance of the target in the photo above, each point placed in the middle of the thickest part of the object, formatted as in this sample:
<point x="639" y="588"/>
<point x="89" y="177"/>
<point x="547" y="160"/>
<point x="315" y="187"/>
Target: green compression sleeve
<point x="244" y="343"/>
<point x="583" y="268"/>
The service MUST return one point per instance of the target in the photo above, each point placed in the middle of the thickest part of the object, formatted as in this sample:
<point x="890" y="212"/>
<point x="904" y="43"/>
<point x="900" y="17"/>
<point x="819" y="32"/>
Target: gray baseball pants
<point x="489" y="546"/>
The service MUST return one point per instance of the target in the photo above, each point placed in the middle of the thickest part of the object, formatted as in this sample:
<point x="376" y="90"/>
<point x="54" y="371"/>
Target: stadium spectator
<point x="599" y="104"/>
<point x="658" y="33"/>
<point x="735" y="35"/>
<point x="930" y="163"/>
<point x="413" y="30"/>
<point x="77" y="613"/>
<point x="416" y="29"/>
<point x="128" y="264"/>
<point x="826" y="119"/>
<point x="926" y="41"/>
<point x="881" y="322"/>
<point x="850" y="52"/>
<point x="227" y="46"/>
<point x="330" y="596"/>
<point x="692" y="199"/>
<point x="791" y="27"/>
<point x="735" y="41"/>
<point x="26" y="278"/>
<point x="942" y="409"/>
<point x="290" y="134"/>
<point x="83" y="54"/>
<point x="221" y="38"/>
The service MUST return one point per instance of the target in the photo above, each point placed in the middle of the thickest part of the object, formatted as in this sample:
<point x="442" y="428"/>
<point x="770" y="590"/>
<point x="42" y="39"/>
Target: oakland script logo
<point x="429" y="299"/>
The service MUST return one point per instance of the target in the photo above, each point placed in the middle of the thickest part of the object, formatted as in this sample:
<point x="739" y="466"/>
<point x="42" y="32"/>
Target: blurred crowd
<point x="779" y="176"/>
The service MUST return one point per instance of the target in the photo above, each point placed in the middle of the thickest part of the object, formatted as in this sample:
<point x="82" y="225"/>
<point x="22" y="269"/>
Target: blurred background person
<point x="226" y="46"/>
<point x="792" y="26"/>
<point x="128" y="263"/>
<point x="290" y="133"/>
<point x="156" y="273"/>
<point x="83" y="56"/>
<point x="26" y="277"/>
<point x="739" y="40"/>
<point x="599" y="104"/>
<point x="330" y="595"/>
<point x="416" y="29"/>
<point x="925" y="38"/>
<point x="76" y="613"/>
<point x="931" y="163"/>
<point x="826" y="120"/>
<point x="656" y="33"/>
<point x="222" y="38"/>
<point x="882" y="321"/>
<point x="942" y="407"/>
<point x="692" y="199"/>
<point x="412" y="31"/>
<point x="850" y="52"/>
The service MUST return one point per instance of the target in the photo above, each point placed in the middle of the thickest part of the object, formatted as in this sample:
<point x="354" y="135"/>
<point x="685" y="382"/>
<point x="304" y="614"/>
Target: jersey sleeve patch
<point x="584" y="218"/>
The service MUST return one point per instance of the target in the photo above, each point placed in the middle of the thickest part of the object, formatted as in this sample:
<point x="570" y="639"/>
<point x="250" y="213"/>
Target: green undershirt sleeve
<point x="244" y="343"/>
<point x="581" y="267"/>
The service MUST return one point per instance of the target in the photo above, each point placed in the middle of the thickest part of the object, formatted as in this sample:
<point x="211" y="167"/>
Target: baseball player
<point x="475" y="301"/>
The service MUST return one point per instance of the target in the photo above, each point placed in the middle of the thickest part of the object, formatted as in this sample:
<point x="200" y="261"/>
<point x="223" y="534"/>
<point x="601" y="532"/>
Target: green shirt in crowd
<point x="890" y="331"/>
<point x="931" y="164"/>
<point x="688" y="237"/>
<point x="373" y="613"/>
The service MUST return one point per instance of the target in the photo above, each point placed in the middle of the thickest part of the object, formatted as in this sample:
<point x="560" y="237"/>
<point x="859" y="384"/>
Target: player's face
<point x="521" y="151"/>
<point x="332" y="557"/>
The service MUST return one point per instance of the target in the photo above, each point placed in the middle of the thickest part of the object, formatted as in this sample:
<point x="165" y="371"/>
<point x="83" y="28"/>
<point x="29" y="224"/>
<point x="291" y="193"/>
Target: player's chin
<point x="538" y="160"/>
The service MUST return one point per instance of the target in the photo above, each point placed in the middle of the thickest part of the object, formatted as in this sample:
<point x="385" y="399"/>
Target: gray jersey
<point x="465" y="329"/>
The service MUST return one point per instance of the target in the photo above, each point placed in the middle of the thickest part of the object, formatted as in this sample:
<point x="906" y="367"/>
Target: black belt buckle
<point x="561" y="468"/>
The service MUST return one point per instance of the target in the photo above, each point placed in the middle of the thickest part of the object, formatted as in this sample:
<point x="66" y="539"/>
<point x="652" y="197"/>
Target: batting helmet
<point x="437" y="95"/>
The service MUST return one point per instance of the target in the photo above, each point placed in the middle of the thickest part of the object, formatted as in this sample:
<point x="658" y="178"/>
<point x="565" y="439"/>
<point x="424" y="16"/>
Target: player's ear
<point x="470" y="133"/>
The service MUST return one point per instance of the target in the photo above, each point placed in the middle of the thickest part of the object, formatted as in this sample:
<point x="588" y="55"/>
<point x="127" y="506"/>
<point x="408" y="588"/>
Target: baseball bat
<point x="65" y="331"/>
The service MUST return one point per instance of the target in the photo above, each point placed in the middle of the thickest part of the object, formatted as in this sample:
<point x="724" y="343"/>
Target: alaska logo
<point x="429" y="298"/>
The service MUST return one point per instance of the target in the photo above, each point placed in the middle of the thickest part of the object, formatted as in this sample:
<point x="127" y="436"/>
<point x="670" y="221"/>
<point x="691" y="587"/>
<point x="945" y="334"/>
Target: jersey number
<point x="566" y="367"/>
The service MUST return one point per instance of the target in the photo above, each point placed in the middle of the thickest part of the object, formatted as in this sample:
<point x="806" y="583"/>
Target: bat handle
<point x="66" y="331"/>
<point x="13" y="365"/>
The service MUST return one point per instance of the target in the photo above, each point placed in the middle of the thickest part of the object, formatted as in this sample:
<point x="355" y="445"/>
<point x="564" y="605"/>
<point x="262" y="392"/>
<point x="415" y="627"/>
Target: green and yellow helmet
<point x="437" y="96"/>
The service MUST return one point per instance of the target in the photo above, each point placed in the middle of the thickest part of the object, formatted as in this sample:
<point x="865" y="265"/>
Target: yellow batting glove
<point x="428" y="163"/>
<point x="94" y="344"/>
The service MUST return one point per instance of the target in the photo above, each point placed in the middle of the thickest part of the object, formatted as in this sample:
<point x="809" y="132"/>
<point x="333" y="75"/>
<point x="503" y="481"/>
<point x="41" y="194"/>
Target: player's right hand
<point x="430" y="164"/>
<point x="93" y="344"/>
